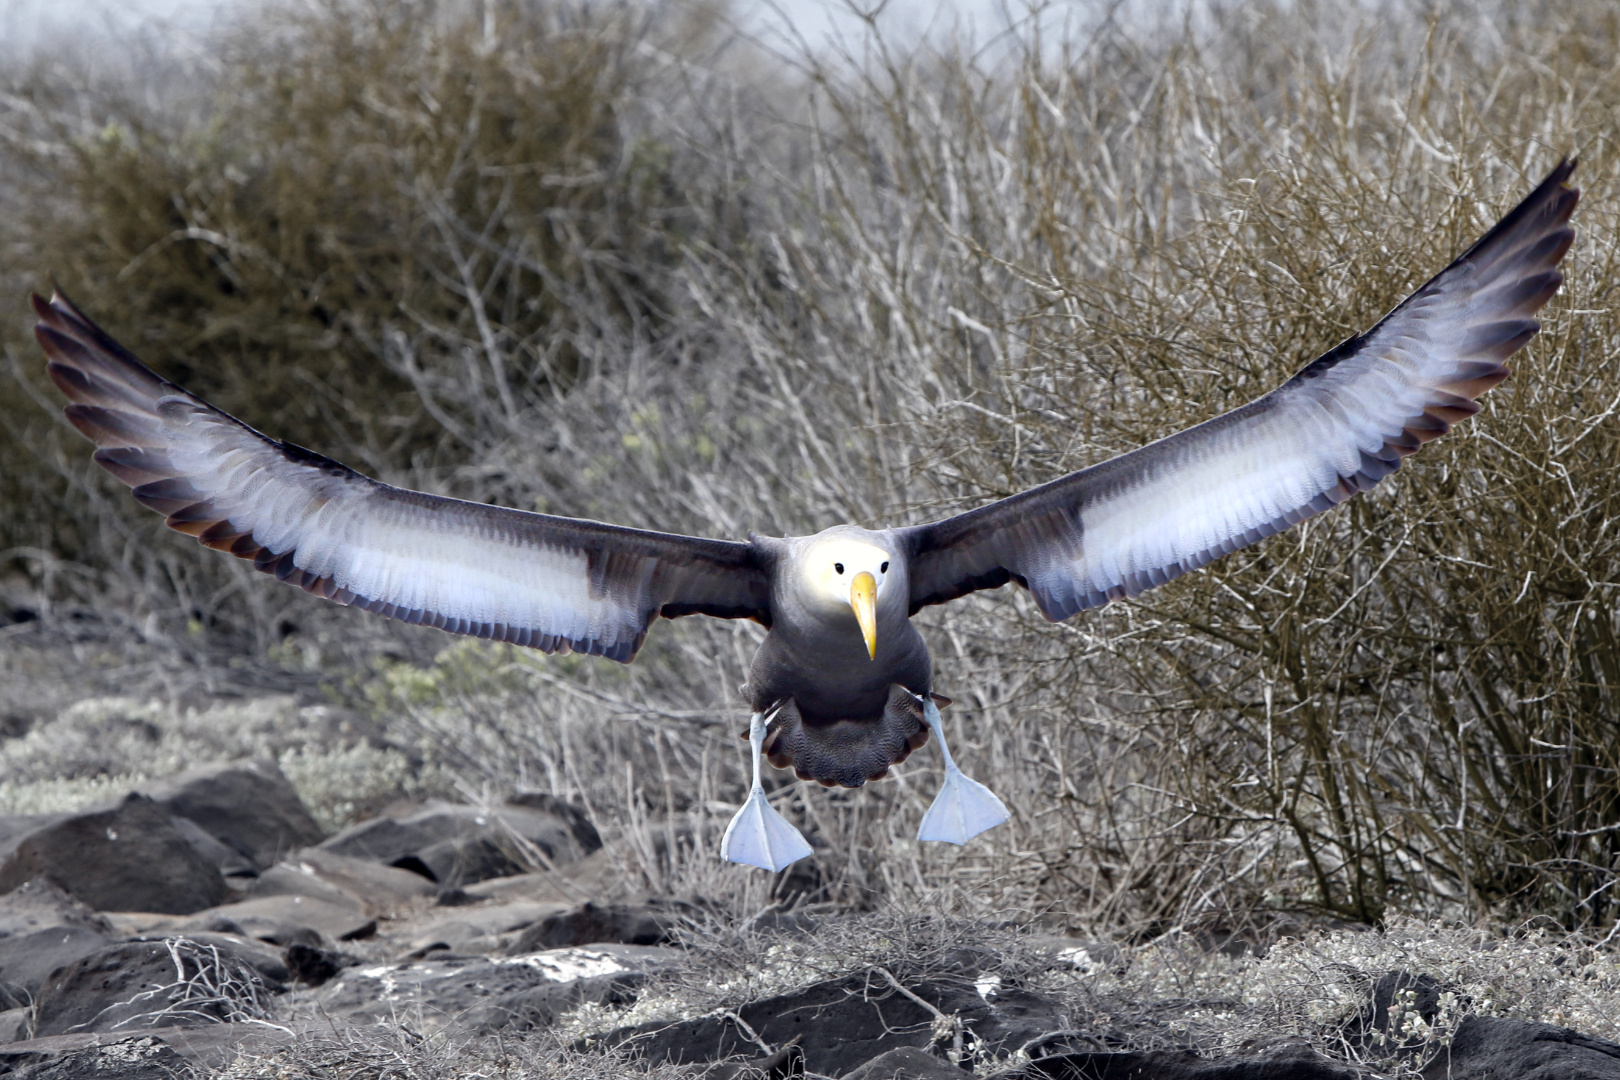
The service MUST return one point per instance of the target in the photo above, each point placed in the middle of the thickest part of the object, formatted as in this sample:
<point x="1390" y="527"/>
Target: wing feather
<point x="550" y="583"/>
<point x="1340" y="425"/>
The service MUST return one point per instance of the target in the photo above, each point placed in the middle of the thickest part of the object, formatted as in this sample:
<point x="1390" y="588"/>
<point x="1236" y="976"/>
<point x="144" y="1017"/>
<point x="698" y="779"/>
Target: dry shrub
<point x="389" y="1052"/>
<point x="688" y="293"/>
<point x="1317" y="988"/>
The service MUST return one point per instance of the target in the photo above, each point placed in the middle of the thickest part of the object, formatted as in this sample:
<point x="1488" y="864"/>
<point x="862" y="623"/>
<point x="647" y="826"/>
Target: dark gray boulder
<point x="488" y="995"/>
<point x="41" y="904"/>
<point x="14" y="827"/>
<point x="127" y="857"/>
<point x="246" y="805"/>
<point x="268" y="960"/>
<point x="384" y="840"/>
<point x="286" y="920"/>
<point x="227" y="860"/>
<point x="542" y="1004"/>
<point x="458" y="845"/>
<point x="141" y="1057"/>
<point x="142" y="984"/>
<point x="27" y="960"/>
<point x="628" y="924"/>
<point x="315" y="966"/>
<point x="907" y="1063"/>
<point x="579" y="823"/>
<point x="285" y="880"/>
<point x="326" y="875"/>
<point x="462" y="860"/>
<point x="1486" y="1048"/>
<point x="482" y="929"/>
<point x="786" y="1063"/>
<point x="844" y="1023"/>
<point x="160" y="1053"/>
<point x="1290" y="1062"/>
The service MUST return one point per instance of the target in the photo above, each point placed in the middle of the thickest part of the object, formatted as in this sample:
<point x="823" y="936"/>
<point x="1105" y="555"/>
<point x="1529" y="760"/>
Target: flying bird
<point x="842" y="686"/>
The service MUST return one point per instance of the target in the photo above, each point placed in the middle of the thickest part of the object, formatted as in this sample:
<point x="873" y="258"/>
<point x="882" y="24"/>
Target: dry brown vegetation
<point x="603" y="260"/>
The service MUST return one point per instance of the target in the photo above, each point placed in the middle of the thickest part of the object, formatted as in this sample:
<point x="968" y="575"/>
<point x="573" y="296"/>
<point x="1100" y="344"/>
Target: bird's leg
<point x="758" y="835"/>
<point x="963" y="808"/>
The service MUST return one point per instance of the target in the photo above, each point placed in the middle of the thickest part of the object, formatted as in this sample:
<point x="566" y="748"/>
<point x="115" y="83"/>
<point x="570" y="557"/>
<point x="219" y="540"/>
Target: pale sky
<point x="23" y="21"/>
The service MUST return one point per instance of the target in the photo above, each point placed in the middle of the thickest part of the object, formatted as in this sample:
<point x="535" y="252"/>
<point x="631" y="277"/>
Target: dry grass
<point x="579" y="259"/>
<point x="397" y="1053"/>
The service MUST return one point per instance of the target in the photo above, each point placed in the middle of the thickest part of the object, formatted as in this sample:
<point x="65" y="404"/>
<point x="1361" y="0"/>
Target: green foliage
<point x="99" y="748"/>
<point x="346" y="784"/>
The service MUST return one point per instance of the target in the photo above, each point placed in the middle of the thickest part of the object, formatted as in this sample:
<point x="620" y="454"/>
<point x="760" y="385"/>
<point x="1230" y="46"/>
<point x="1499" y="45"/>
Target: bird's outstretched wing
<point x="1333" y="430"/>
<point x="551" y="583"/>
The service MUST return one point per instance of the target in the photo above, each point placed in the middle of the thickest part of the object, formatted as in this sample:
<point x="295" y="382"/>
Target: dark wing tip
<point x="1552" y="202"/>
<point x="1554" y="187"/>
<point x="62" y="316"/>
<point x="58" y="312"/>
<point x="1529" y="239"/>
<point x="62" y="304"/>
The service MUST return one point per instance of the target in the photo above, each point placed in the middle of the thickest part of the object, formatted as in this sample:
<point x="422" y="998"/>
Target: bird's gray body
<point x="830" y="704"/>
<point x="817" y="657"/>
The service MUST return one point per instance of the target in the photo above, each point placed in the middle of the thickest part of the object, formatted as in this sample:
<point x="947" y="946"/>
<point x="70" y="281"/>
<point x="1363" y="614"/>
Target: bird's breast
<point x="829" y="674"/>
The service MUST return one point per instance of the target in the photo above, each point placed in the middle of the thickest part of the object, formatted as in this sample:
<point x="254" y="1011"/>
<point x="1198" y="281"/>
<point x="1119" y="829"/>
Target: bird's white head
<point x="841" y="572"/>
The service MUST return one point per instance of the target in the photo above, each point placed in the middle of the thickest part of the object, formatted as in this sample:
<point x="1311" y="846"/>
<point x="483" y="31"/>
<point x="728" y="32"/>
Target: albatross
<point x="841" y="688"/>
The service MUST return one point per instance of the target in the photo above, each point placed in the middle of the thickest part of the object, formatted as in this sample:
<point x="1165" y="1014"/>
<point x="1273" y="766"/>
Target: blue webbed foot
<point x="963" y="808"/>
<point x="759" y="836"/>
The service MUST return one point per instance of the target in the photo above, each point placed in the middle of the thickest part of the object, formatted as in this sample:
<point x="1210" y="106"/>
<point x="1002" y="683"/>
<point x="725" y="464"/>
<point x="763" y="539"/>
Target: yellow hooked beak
<point x="863" y="598"/>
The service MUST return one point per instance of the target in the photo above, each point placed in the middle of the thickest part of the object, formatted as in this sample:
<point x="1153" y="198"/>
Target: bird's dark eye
<point x="838" y="566"/>
<point x="884" y="569"/>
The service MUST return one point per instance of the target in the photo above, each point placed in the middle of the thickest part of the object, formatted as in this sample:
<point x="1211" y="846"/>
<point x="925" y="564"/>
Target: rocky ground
<point x="205" y="926"/>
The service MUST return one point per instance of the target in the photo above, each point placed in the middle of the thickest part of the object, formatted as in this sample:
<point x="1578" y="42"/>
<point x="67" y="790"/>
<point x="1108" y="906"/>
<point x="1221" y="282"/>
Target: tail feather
<point x="846" y="752"/>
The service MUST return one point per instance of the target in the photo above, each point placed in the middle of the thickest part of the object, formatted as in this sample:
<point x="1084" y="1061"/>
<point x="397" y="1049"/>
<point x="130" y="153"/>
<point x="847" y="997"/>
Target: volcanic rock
<point x="1289" y="1062"/>
<point x="27" y="960"/>
<point x="456" y="845"/>
<point x="1486" y="1047"/>
<point x="134" y="985"/>
<point x="629" y="924"/>
<point x="246" y="805"/>
<point x="487" y="995"/>
<point x="326" y="875"/>
<point x="486" y="929"/>
<point x="844" y="1023"/>
<point x="906" y="1063"/>
<point x="41" y="904"/>
<point x="286" y="920"/>
<point x="127" y="857"/>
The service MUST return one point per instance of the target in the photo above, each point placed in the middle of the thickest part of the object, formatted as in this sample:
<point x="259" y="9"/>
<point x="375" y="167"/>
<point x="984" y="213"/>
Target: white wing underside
<point x="1337" y="428"/>
<point x="555" y="584"/>
<point x="374" y="545"/>
<point x="1263" y="468"/>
